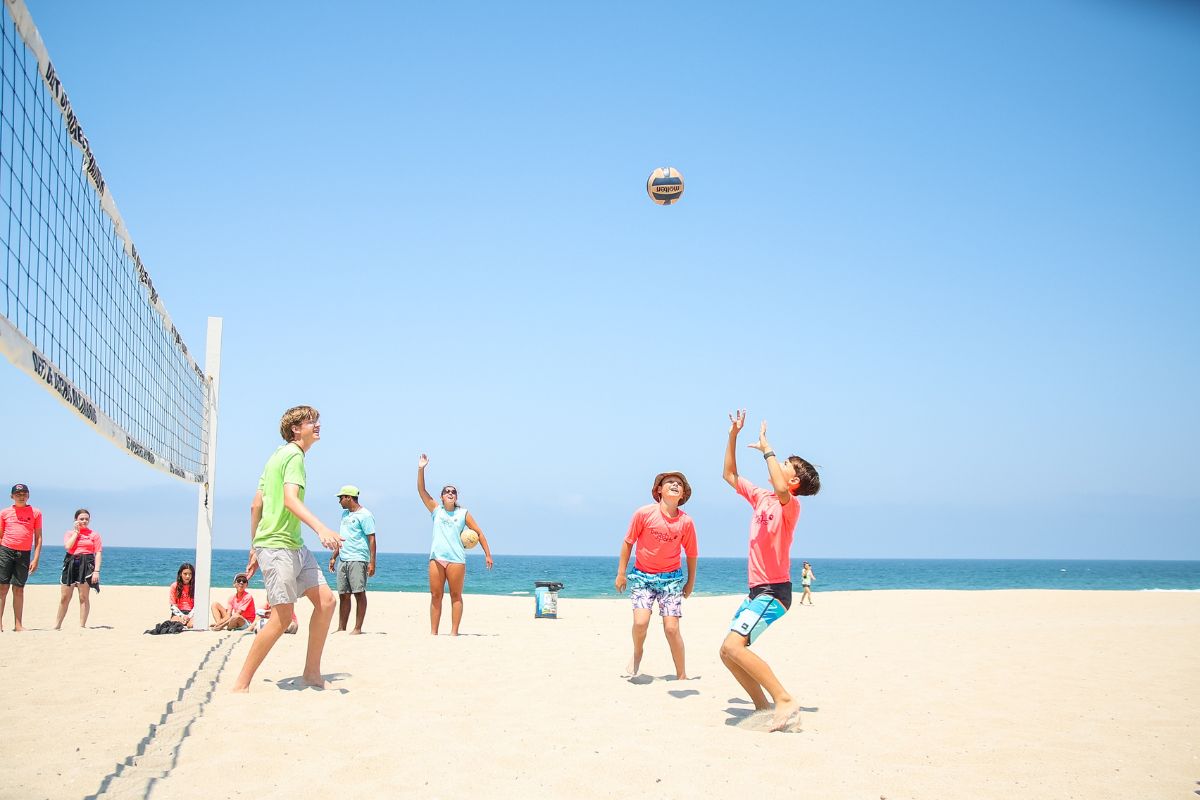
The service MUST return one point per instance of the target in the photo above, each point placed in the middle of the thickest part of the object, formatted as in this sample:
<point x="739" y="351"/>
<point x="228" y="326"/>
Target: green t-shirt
<point x="278" y="526"/>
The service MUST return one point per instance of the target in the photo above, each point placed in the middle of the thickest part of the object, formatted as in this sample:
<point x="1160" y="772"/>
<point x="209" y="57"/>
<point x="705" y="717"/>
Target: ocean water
<point x="592" y="576"/>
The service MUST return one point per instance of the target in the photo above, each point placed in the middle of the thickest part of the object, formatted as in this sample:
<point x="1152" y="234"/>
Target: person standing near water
<point x="662" y="532"/>
<point x="357" y="556"/>
<point x="806" y="579"/>
<point x="81" y="567"/>
<point x="772" y="524"/>
<point x="447" y="556"/>
<point x="20" y="550"/>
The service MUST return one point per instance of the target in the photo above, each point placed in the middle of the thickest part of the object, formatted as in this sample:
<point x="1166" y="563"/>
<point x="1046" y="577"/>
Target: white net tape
<point x="78" y="310"/>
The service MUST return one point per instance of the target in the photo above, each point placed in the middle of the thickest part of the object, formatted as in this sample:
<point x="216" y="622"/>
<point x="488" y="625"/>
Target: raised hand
<point x="761" y="445"/>
<point x="737" y="421"/>
<point x="423" y="461"/>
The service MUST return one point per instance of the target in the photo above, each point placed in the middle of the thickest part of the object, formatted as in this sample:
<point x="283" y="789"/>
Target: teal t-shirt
<point x="446" y="530"/>
<point x="356" y="527"/>
<point x="278" y="526"/>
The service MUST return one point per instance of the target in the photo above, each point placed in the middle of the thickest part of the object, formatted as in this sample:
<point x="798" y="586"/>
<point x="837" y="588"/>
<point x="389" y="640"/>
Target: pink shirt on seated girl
<point x="185" y="602"/>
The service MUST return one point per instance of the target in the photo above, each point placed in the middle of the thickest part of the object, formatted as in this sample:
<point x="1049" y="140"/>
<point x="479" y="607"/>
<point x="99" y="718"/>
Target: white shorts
<point x="288" y="574"/>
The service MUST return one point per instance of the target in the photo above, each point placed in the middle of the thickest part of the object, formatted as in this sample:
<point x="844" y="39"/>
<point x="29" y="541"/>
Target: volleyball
<point x="665" y="185"/>
<point x="469" y="538"/>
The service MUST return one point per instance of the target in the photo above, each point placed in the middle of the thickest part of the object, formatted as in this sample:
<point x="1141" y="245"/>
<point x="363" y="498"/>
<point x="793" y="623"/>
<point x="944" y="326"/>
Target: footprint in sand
<point x="760" y="721"/>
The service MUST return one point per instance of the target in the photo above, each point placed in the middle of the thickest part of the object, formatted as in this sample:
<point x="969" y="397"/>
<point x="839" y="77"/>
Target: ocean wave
<point x="1169" y="590"/>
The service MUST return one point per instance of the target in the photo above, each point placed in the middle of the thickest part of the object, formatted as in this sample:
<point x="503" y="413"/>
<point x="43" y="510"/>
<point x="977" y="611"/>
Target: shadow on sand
<point x="296" y="683"/>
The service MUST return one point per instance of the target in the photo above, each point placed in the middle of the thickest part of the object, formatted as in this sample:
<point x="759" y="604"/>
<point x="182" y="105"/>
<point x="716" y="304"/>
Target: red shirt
<point x="771" y="530"/>
<point x="88" y="541"/>
<point x="17" y="526"/>
<point x="245" y="606"/>
<point x="186" y="601"/>
<point x="660" y="538"/>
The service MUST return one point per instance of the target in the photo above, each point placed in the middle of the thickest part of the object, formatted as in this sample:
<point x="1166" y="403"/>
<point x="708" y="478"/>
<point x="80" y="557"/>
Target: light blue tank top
<point x="447" y="546"/>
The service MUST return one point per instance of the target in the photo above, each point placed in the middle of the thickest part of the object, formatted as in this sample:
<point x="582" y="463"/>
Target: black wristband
<point x="768" y="454"/>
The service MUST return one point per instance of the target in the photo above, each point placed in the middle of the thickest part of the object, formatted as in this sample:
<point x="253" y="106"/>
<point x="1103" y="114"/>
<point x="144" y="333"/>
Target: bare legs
<point x="806" y="596"/>
<point x="755" y="676"/>
<point x="85" y="603"/>
<point x="641" y="624"/>
<point x="279" y="621"/>
<point x="18" y="593"/>
<point x="360" y="599"/>
<point x="675" y="640"/>
<point x="454" y="575"/>
<point x="64" y="600"/>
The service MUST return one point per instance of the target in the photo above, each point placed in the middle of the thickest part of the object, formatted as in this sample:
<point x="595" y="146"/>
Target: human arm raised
<point x="737" y="421"/>
<point x="429" y="502"/>
<point x="778" y="481"/>
<point x="483" y="542"/>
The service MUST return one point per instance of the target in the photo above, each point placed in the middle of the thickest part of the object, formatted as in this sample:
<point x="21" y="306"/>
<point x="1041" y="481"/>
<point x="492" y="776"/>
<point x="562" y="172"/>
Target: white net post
<point x="204" y="510"/>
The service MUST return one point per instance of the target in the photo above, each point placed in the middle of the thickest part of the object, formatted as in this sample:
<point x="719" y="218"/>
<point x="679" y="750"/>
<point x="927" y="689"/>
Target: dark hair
<point x="81" y="511"/>
<point x="179" y="584"/>
<point x="810" y="481"/>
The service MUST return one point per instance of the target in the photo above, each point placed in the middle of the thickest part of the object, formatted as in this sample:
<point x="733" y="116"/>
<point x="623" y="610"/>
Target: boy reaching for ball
<point x="772" y="525"/>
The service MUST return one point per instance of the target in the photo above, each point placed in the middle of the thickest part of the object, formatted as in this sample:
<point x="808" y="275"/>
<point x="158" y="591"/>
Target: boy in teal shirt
<point x="289" y="569"/>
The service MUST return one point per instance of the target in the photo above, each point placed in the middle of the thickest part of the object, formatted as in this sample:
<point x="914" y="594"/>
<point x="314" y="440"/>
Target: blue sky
<point x="949" y="251"/>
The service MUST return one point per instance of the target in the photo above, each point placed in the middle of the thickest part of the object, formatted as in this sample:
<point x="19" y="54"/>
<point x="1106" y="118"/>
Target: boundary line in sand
<point x="157" y="754"/>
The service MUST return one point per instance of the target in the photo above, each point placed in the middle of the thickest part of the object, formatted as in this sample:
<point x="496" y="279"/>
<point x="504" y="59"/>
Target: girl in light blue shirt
<point x="448" y="553"/>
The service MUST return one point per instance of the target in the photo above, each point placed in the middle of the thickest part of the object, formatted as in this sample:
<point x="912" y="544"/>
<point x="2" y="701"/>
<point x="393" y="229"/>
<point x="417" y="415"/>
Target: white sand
<point x="1036" y="694"/>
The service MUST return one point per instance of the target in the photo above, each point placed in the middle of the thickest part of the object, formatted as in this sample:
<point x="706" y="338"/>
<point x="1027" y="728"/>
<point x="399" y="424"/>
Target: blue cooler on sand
<point x="545" y="595"/>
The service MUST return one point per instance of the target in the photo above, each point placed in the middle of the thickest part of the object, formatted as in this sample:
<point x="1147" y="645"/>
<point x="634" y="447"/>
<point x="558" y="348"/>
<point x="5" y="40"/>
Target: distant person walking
<point x="81" y="567"/>
<point x="357" y="558"/>
<point x="661" y="531"/>
<point x="289" y="569"/>
<point x="806" y="579"/>
<point x="447" y="556"/>
<point x="772" y="524"/>
<point x="20" y="551"/>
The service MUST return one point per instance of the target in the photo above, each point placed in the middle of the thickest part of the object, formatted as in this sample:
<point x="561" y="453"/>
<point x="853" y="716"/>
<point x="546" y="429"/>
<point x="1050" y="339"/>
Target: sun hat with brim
<point x="662" y="476"/>
<point x="348" y="491"/>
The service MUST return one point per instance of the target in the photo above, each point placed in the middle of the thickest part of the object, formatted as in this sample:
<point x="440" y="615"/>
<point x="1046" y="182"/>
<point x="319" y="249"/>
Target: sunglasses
<point x="450" y="491"/>
<point x="241" y="580"/>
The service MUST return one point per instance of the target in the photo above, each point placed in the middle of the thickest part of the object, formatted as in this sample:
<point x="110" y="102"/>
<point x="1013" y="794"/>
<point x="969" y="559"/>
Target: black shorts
<point x="780" y="591"/>
<point x="14" y="566"/>
<point x="77" y="569"/>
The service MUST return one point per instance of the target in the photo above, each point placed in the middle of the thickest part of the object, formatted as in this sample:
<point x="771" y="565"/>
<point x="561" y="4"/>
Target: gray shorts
<point x="352" y="577"/>
<point x="288" y="574"/>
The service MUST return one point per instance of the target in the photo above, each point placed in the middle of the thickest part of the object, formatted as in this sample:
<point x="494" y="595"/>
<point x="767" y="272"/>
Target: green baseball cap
<point x="348" y="491"/>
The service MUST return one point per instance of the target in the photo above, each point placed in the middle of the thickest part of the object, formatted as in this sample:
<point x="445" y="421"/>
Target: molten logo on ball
<point x="665" y="185"/>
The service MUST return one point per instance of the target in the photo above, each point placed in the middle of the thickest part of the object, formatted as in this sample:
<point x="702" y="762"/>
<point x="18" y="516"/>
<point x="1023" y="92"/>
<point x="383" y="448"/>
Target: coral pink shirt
<point x="186" y="601"/>
<point x="17" y="526"/>
<point x="771" y="530"/>
<point x="245" y="606"/>
<point x="88" y="541"/>
<point x="660" y="539"/>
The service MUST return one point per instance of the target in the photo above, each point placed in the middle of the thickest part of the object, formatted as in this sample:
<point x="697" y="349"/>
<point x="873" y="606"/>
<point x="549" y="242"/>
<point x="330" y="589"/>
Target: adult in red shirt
<point x="772" y="525"/>
<point x="20" y="549"/>
<point x="81" y="567"/>
<point x="662" y="531"/>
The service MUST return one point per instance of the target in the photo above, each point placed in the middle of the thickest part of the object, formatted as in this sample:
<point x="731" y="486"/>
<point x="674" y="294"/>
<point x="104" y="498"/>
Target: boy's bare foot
<point x="240" y="689"/>
<point x="356" y="632"/>
<point x="785" y="715"/>
<point x="18" y="628"/>
<point x="316" y="681"/>
<point x="632" y="667"/>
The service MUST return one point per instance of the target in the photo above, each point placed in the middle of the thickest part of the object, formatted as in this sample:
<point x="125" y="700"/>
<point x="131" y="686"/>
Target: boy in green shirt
<point x="289" y="569"/>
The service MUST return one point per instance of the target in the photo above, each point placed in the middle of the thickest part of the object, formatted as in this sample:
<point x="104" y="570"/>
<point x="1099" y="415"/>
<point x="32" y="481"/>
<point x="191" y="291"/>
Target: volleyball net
<point x="78" y="310"/>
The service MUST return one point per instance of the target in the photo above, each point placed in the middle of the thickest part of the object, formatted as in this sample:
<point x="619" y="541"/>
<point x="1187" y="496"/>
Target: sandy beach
<point x="931" y="694"/>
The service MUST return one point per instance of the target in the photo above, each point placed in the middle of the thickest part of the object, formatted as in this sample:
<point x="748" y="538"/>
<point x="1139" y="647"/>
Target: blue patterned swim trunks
<point x="664" y="587"/>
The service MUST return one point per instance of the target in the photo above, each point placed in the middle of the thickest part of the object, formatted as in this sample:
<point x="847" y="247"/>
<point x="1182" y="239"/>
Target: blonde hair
<point x="297" y="415"/>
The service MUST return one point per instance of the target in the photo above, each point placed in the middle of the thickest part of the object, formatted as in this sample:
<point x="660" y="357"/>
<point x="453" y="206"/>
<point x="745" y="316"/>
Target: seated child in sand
<point x="240" y="611"/>
<point x="182" y="595"/>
